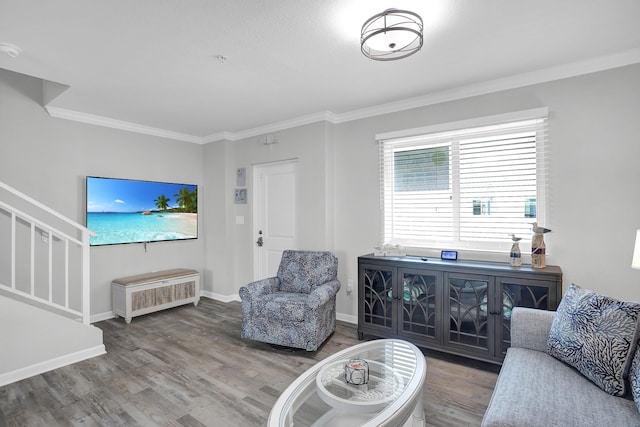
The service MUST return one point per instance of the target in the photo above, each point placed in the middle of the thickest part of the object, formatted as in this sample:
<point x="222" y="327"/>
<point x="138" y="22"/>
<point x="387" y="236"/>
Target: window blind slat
<point x="469" y="188"/>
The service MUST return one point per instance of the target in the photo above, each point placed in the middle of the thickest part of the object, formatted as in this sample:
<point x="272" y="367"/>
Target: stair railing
<point x="17" y="219"/>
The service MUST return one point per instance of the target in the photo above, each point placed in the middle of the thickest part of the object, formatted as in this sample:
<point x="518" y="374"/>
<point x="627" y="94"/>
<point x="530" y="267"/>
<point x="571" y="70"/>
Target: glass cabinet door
<point x="418" y="297"/>
<point x="522" y="293"/>
<point x="468" y="303"/>
<point x="377" y="296"/>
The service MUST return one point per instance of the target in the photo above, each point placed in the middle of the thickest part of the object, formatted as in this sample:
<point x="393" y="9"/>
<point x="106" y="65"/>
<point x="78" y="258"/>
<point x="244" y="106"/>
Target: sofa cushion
<point x="596" y="335"/>
<point x="536" y="390"/>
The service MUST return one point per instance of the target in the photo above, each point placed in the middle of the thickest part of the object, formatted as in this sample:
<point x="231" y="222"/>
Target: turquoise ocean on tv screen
<point x="114" y="228"/>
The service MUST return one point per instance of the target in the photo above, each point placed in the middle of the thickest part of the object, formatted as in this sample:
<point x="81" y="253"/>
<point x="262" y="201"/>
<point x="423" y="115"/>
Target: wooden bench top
<point x="156" y="275"/>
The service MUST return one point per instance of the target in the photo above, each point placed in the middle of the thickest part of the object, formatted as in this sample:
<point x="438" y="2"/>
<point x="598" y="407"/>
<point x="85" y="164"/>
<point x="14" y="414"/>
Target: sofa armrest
<point x="260" y="287"/>
<point x="320" y="295"/>
<point x="530" y="328"/>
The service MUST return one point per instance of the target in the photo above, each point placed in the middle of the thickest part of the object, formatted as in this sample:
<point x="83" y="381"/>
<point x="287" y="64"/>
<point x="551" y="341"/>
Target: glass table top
<point x="322" y="397"/>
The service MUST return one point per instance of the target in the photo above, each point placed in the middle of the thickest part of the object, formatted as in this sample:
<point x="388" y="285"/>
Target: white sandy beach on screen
<point x="188" y="222"/>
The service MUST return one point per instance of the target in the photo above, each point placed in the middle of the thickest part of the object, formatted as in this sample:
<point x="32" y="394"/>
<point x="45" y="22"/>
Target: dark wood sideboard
<point x="459" y="307"/>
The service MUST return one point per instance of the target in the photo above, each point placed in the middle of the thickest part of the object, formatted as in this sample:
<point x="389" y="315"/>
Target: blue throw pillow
<point x="597" y="335"/>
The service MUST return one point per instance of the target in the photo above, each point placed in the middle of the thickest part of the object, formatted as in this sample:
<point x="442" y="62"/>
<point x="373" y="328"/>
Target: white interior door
<point x="275" y="215"/>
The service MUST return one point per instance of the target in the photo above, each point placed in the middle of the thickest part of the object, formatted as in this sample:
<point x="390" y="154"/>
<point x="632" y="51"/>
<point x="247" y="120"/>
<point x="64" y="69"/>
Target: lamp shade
<point x="635" y="263"/>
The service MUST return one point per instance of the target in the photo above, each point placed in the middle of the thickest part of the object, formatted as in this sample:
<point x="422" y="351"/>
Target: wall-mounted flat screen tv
<point x="129" y="211"/>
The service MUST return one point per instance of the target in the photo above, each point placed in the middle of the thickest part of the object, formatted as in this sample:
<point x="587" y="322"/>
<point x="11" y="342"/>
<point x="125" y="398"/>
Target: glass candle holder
<point x="356" y="372"/>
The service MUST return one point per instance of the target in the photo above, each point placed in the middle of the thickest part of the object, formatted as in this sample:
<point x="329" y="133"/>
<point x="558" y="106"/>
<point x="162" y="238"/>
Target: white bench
<point x="150" y="292"/>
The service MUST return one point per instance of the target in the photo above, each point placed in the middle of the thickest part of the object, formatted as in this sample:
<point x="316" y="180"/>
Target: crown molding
<point x="219" y="136"/>
<point x="512" y="82"/>
<point x="92" y="119"/>
<point x="574" y="69"/>
<point x="513" y="116"/>
<point x="51" y="90"/>
<point x="323" y="116"/>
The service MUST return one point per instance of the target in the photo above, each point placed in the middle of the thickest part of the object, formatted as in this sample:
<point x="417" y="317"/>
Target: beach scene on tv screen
<point x="128" y="211"/>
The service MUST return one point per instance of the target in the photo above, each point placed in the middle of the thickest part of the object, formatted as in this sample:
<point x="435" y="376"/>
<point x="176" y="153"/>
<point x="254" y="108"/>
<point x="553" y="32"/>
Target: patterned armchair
<point x="297" y="308"/>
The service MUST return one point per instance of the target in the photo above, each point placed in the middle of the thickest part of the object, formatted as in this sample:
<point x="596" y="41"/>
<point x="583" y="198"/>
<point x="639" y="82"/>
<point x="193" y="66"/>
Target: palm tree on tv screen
<point x="162" y="202"/>
<point x="187" y="200"/>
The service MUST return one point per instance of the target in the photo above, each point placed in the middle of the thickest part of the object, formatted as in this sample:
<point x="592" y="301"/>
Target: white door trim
<point x="262" y="256"/>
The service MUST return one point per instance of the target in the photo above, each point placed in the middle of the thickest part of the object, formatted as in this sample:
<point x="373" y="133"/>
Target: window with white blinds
<point x="465" y="188"/>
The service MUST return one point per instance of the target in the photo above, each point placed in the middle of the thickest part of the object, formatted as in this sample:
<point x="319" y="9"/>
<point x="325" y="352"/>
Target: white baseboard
<point x="102" y="316"/>
<point x="228" y="298"/>
<point x="220" y="297"/>
<point x="347" y="318"/>
<point x="49" y="365"/>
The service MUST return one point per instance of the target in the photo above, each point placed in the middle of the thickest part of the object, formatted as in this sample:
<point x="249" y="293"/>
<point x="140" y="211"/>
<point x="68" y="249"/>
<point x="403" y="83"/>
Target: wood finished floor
<point x="189" y="367"/>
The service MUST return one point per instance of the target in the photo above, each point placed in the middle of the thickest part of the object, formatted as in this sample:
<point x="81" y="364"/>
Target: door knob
<point x="260" y="242"/>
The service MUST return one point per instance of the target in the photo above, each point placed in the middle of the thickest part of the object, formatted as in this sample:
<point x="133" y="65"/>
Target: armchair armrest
<point x="260" y="287"/>
<point x="320" y="295"/>
<point x="530" y="328"/>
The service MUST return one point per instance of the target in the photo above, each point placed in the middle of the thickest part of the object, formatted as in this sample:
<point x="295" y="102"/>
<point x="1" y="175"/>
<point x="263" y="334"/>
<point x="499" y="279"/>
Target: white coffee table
<point x="392" y="398"/>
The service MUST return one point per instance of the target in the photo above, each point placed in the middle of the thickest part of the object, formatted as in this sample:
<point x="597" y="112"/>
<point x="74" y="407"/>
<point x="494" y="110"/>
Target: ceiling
<point x="151" y="65"/>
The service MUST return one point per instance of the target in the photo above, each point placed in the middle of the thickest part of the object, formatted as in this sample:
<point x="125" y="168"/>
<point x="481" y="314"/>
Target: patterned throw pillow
<point x="634" y="378"/>
<point x="597" y="335"/>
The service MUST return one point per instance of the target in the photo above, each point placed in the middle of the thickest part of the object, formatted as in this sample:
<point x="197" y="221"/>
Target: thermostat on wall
<point x="449" y="255"/>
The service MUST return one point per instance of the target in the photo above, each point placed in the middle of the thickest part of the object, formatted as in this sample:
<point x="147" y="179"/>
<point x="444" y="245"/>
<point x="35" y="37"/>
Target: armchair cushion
<point x="289" y="306"/>
<point x="301" y="271"/>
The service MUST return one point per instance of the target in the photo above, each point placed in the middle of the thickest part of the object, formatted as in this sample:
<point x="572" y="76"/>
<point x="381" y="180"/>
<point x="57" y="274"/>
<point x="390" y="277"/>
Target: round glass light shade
<point x="392" y="34"/>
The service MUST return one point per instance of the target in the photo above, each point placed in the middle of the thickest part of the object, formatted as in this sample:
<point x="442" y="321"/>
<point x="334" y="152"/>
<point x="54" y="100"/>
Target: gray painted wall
<point x="594" y="209"/>
<point x="594" y="153"/>
<point x="594" y="130"/>
<point x="48" y="159"/>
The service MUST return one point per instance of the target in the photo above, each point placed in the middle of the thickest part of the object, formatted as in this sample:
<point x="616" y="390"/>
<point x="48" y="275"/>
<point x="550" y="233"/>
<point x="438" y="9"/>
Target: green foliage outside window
<point x="425" y="169"/>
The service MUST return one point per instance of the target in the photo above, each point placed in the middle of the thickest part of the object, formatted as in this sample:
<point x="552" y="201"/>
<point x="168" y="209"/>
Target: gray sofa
<point x="535" y="389"/>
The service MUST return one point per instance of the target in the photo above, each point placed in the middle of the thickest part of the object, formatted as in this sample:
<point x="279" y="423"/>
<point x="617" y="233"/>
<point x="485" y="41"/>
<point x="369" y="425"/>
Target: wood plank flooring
<point x="189" y="367"/>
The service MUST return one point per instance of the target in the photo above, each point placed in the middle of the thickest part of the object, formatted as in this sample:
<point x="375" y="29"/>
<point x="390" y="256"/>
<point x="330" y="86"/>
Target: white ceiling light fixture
<point x="392" y="34"/>
<point x="10" y="49"/>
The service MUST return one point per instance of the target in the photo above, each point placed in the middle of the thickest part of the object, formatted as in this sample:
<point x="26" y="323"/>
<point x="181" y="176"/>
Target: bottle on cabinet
<point x="538" y="247"/>
<point x="515" y="257"/>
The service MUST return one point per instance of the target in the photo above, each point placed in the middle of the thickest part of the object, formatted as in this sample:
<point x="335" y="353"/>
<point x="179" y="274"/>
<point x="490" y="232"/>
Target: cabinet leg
<point x="195" y="303"/>
<point x="127" y="320"/>
<point x="360" y="336"/>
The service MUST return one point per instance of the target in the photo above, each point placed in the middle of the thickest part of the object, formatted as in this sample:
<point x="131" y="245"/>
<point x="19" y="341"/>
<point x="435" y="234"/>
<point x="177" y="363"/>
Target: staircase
<point x="44" y="289"/>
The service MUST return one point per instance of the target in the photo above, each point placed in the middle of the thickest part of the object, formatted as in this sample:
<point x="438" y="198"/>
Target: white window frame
<point x="421" y="137"/>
